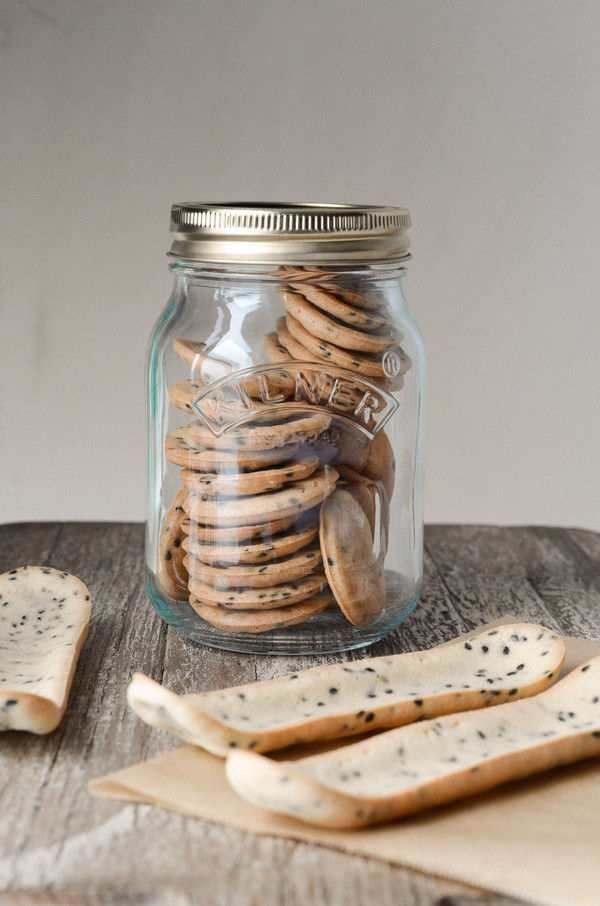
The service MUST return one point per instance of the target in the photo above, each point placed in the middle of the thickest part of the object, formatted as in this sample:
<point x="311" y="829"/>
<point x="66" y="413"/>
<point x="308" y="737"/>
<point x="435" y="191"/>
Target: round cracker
<point x="326" y="328"/>
<point x="262" y="620"/>
<point x="351" y="297"/>
<point x="275" y="352"/>
<point x="264" y="434"/>
<point x="258" y="598"/>
<point x="294" y="498"/>
<point x="366" y="364"/>
<point x="172" y="574"/>
<point x="182" y="449"/>
<point x="365" y="319"/>
<point x="379" y="464"/>
<point x="358" y="583"/>
<point x="248" y="483"/>
<point x="296" y="350"/>
<point x="364" y="491"/>
<point x="234" y="533"/>
<point x="263" y="551"/>
<point x="288" y="569"/>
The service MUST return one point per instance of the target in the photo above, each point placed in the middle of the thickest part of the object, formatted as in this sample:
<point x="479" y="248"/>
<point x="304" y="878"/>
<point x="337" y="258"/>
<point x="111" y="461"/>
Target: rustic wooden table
<point x="59" y="846"/>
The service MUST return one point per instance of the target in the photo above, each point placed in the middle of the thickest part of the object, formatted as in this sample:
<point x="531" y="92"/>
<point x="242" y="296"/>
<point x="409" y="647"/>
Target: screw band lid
<point x="293" y="233"/>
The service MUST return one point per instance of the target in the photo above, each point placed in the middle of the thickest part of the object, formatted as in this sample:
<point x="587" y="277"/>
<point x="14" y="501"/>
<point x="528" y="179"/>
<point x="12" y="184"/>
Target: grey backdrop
<point x="481" y="116"/>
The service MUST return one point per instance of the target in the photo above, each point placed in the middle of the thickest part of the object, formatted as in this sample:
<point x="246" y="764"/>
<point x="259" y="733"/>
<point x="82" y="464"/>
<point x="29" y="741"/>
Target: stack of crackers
<point x="325" y="323"/>
<point x="269" y="530"/>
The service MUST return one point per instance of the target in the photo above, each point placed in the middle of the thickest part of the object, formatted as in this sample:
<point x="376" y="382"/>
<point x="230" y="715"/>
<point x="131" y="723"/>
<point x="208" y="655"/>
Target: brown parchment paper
<point x="538" y="839"/>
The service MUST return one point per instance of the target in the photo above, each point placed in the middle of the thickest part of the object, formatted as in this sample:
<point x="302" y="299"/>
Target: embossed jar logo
<point x="272" y="391"/>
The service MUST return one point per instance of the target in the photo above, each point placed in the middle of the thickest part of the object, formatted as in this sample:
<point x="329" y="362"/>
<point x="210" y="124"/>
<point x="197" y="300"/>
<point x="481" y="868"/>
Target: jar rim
<point x="290" y="233"/>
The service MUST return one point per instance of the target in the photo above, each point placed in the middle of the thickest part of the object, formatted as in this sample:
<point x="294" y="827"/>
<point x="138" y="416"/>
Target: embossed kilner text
<point x="270" y="390"/>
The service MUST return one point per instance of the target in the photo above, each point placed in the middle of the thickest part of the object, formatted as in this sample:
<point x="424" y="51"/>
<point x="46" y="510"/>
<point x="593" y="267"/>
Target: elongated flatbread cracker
<point x="340" y="700"/>
<point x="44" y="618"/>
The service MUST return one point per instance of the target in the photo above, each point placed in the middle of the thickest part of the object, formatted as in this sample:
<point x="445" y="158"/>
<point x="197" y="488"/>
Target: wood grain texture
<point x="61" y="847"/>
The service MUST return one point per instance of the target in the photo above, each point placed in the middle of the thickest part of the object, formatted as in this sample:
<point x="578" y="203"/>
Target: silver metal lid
<point x="248" y="232"/>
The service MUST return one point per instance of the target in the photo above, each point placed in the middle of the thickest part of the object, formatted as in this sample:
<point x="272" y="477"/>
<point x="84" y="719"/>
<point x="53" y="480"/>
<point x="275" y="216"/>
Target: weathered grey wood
<point x="61" y="847"/>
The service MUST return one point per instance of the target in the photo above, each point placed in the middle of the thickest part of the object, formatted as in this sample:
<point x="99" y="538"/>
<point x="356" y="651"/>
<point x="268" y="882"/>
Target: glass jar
<point x="285" y="403"/>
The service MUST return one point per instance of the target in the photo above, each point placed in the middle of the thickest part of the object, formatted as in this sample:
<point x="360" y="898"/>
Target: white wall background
<point x="481" y="116"/>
